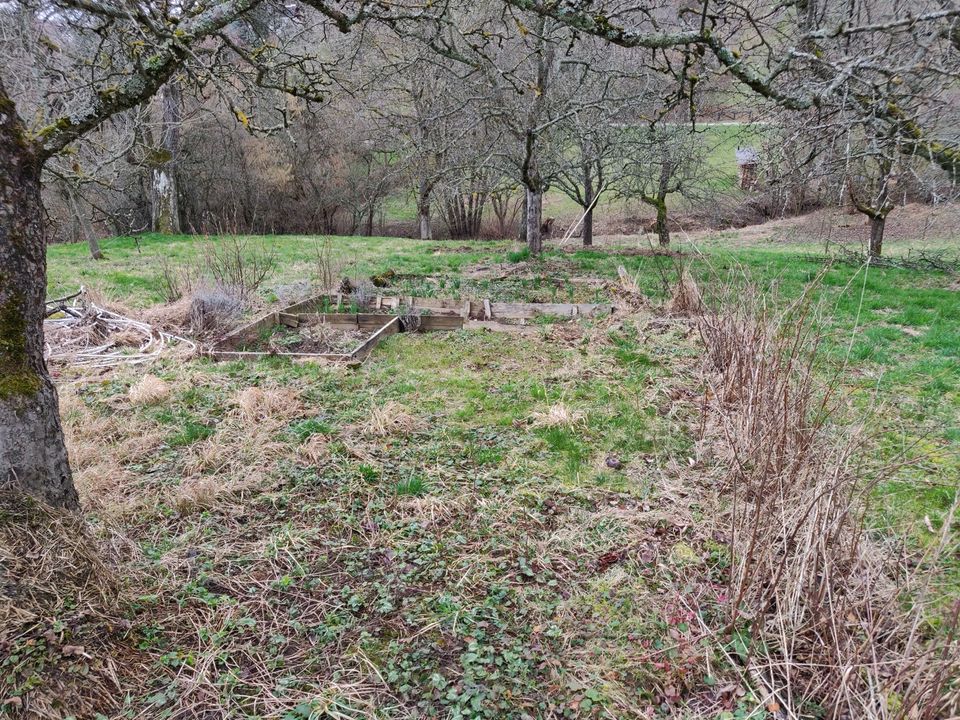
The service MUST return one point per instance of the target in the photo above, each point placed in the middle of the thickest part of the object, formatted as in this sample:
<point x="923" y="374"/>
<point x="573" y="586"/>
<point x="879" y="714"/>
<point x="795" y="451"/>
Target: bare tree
<point x="659" y="162"/>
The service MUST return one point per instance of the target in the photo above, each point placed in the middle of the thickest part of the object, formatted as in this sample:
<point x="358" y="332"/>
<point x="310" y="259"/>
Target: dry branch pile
<point x="92" y="336"/>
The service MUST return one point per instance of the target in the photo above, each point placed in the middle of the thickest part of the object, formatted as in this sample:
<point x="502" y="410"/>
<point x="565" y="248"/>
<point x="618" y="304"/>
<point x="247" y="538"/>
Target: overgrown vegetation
<point x="603" y="518"/>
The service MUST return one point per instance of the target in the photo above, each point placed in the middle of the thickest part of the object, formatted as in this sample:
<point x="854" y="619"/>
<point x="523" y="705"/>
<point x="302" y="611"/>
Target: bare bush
<point x="821" y="613"/>
<point x="177" y="281"/>
<point x="327" y="269"/>
<point x="213" y="309"/>
<point x="240" y="264"/>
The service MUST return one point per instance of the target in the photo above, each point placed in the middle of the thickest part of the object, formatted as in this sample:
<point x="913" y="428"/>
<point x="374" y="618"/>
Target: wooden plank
<point x="250" y="330"/>
<point x="364" y="348"/>
<point x="254" y="355"/>
<point x="528" y="310"/>
<point x="487" y="312"/>
<point x="288" y="319"/>
<point x="430" y="323"/>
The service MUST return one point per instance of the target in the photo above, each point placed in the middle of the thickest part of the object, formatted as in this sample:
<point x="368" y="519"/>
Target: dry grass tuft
<point x="686" y="298"/>
<point x="197" y="493"/>
<point x="150" y="390"/>
<point x="51" y="570"/>
<point x="256" y="404"/>
<point x="558" y="415"/>
<point x="391" y="419"/>
<point x="314" y="451"/>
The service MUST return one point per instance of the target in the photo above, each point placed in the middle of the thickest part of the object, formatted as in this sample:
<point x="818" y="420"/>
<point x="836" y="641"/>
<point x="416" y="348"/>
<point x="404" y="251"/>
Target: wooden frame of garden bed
<point x="441" y="314"/>
<point x="385" y="327"/>
<point x="467" y="309"/>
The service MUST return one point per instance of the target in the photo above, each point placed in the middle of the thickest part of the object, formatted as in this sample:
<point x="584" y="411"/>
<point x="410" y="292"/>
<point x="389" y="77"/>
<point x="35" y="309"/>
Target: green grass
<point x="453" y="569"/>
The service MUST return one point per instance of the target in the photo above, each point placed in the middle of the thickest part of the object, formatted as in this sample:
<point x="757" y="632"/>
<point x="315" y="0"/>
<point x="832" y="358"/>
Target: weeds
<point x="822" y="614"/>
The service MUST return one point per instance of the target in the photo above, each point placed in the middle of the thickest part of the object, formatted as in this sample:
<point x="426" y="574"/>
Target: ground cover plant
<point x="477" y="524"/>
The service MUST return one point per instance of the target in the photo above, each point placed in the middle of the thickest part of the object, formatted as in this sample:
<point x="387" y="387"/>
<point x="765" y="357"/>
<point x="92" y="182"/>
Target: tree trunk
<point x="522" y="225"/>
<point x="92" y="243"/>
<point x="33" y="457"/>
<point x="663" y="228"/>
<point x="877" y="223"/>
<point x="423" y="211"/>
<point x="534" y="213"/>
<point x="588" y="201"/>
<point x="165" y="187"/>
<point x="369" y="228"/>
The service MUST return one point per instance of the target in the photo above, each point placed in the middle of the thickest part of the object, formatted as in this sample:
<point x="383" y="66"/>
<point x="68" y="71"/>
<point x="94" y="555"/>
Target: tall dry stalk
<point x="833" y="620"/>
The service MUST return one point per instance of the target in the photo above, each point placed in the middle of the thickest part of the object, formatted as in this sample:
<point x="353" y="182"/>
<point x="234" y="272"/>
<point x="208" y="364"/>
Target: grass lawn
<point x="443" y="532"/>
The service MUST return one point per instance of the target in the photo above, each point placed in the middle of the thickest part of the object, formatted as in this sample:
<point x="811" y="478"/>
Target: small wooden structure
<point x="747" y="160"/>
<point x="383" y="316"/>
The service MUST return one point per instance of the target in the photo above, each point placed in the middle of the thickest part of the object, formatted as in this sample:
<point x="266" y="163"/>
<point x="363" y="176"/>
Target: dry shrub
<point x="213" y="309"/>
<point x="256" y="404"/>
<point x="558" y="415"/>
<point x="686" y="298"/>
<point x="391" y="419"/>
<point x="150" y="390"/>
<point x="327" y="268"/>
<point x="177" y="281"/>
<point x="239" y="263"/>
<point x="833" y="617"/>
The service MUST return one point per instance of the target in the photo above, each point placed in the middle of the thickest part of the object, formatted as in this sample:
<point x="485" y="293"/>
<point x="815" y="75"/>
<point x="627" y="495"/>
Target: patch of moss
<point x="16" y="375"/>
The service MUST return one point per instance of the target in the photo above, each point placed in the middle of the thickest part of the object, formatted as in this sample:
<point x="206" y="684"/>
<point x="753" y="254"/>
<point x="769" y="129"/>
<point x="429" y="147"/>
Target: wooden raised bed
<point x="383" y="327"/>
<point x="433" y="313"/>
<point x="467" y="309"/>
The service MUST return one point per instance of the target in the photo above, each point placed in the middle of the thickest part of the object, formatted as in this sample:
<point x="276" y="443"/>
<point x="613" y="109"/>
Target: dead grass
<point x="149" y="390"/>
<point x="61" y="627"/>
<point x="824" y="613"/>
<point x="256" y="404"/>
<point x="391" y="419"/>
<point x="315" y="450"/>
<point x="686" y="298"/>
<point x="558" y="415"/>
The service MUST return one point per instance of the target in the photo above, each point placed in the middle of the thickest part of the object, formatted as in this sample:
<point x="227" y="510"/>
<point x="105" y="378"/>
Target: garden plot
<point x="305" y="330"/>
<point x="337" y="337"/>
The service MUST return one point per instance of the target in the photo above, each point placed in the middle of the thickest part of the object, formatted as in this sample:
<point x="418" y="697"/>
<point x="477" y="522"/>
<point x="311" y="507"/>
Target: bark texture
<point x="588" y="200"/>
<point x="165" y="184"/>
<point x="877" y="224"/>
<point x="423" y="210"/>
<point x="33" y="457"/>
<point x="534" y="213"/>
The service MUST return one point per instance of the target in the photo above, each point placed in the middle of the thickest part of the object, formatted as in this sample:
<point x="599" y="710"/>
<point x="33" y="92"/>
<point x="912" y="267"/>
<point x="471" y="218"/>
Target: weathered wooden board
<point x="364" y="348"/>
<point x="478" y="310"/>
<point x="254" y="355"/>
<point x="430" y="323"/>
<point x="518" y="311"/>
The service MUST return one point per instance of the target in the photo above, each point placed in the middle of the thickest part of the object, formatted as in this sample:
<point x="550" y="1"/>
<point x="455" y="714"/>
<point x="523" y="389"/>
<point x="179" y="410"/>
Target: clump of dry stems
<point x="838" y="621"/>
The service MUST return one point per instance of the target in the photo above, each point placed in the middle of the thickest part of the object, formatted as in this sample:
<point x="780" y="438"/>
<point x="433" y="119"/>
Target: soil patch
<point x="320" y="338"/>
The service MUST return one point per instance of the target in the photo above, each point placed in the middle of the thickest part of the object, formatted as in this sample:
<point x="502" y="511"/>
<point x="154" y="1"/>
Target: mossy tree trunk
<point x="423" y="209"/>
<point x="33" y="457"/>
<point x="165" y="180"/>
<point x="877" y="223"/>
<point x="663" y="228"/>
